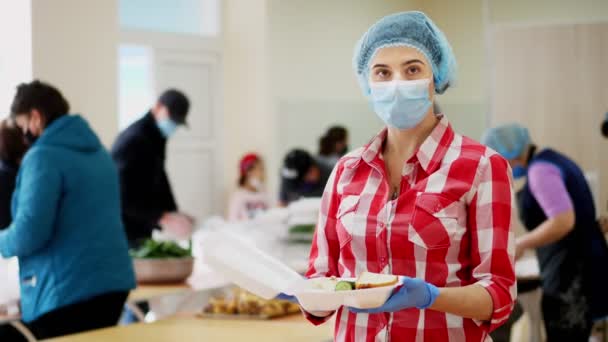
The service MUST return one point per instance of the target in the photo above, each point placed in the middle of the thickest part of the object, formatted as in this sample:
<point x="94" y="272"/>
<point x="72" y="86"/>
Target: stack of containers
<point x="302" y="219"/>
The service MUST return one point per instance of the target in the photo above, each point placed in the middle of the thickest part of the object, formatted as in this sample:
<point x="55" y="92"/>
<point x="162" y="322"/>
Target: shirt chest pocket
<point x="349" y="222"/>
<point x="437" y="221"/>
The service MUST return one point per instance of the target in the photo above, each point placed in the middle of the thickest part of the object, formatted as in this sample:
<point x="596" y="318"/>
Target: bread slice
<point x="368" y="280"/>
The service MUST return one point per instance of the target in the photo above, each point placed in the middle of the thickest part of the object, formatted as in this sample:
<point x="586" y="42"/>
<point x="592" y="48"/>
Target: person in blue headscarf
<point x="556" y="207"/>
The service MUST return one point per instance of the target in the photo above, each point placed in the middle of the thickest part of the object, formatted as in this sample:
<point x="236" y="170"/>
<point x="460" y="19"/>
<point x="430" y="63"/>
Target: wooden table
<point x="194" y="329"/>
<point x="144" y="292"/>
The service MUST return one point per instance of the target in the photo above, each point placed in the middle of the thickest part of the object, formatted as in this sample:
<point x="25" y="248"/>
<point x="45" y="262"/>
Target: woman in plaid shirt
<point x="419" y="201"/>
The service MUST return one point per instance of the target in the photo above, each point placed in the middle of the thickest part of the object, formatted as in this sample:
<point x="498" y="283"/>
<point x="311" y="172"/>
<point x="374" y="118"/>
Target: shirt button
<point x="437" y="207"/>
<point x="382" y="259"/>
<point x="381" y="225"/>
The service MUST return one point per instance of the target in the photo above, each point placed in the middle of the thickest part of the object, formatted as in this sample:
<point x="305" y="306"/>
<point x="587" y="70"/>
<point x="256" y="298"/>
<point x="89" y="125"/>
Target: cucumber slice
<point x="344" y="285"/>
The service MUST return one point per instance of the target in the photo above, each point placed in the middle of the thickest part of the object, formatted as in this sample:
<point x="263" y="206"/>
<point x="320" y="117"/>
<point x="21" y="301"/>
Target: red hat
<point x="247" y="162"/>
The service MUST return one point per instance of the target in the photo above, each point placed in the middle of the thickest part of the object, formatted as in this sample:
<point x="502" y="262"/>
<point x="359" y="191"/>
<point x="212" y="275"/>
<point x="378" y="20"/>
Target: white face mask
<point x="401" y="104"/>
<point x="256" y="183"/>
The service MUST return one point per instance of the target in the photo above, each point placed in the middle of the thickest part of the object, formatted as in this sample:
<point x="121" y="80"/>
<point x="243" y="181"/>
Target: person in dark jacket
<point x="12" y="149"/>
<point x="302" y="176"/>
<point x="556" y="207"/>
<point x="139" y="152"/>
<point x="74" y="264"/>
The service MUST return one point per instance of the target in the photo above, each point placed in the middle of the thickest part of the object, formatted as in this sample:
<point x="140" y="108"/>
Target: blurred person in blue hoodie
<point x="75" y="269"/>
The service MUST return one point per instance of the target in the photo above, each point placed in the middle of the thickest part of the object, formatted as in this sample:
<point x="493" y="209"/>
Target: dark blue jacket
<point x="139" y="154"/>
<point x="583" y="252"/>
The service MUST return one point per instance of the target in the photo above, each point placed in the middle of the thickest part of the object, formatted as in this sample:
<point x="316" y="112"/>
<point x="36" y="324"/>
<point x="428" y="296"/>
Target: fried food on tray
<point x="242" y="302"/>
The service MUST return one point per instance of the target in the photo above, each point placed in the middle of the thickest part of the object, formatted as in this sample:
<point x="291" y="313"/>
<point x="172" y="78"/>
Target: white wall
<point x="548" y="11"/>
<point x="16" y="56"/>
<point x="75" y="48"/>
<point x="287" y="76"/>
<point x="465" y="103"/>
<point x="248" y="120"/>
<point x="312" y="83"/>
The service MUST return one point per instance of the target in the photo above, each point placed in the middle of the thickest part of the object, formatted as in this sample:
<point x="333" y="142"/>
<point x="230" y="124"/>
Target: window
<point x="199" y="17"/>
<point x="136" y="83"/>
<point x="15" y="51"/>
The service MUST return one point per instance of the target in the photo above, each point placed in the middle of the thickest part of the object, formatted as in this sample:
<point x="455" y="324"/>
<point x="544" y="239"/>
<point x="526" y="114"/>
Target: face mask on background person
<point x="30" y="138"/>
<point x="401" y="104"/>
<point x="167" y="127"/>
<point x="256" y="183"/>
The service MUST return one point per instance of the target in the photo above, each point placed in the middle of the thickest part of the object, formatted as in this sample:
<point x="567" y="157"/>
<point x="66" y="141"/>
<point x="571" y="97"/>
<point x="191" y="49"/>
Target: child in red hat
<point x="250" y="198"/>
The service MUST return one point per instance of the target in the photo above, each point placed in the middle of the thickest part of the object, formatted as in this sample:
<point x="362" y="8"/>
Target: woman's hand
<point x="414" y="293"/>
<point x="520" y="249"/>
<point x="177" y="225"/>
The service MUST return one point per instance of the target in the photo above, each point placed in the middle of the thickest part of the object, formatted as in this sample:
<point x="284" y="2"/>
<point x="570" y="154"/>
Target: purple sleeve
<point x="548" y="188"/>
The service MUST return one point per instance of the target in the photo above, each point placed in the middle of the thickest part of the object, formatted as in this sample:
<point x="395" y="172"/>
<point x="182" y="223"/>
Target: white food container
<point x="313" y="299"/>
<point x="240" y="262"/>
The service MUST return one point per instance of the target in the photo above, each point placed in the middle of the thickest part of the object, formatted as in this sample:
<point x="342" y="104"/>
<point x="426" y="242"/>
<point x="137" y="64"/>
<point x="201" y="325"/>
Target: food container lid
<point x="242" y="263"/>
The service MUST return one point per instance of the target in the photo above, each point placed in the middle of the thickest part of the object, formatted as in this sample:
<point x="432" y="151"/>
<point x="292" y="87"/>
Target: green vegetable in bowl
<point x="344" y="285"/>
<point x="303" y="229"/>
<point x="160" y="250"/>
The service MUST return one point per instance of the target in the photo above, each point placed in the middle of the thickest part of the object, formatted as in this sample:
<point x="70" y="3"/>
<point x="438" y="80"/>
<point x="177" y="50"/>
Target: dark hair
<point x="605" y="128"/>
<point x="296" y="164"/>
<point x="242" y="180"/>
<point x="177" y="103"/>
<point x="40" y="96"/>
<point x="327" y="143"/>
<point x="12" y="142"/>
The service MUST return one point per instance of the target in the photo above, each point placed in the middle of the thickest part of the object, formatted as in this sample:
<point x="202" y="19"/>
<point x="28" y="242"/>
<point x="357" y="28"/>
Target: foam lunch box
<point x="242" y="263"/>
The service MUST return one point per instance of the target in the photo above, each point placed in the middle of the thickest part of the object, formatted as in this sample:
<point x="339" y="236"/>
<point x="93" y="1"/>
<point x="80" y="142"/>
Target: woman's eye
<point x="382" y="73"/>
<point x="412" y="70"/>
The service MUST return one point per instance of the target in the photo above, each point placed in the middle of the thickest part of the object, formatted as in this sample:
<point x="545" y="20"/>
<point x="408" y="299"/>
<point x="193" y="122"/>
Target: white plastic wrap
<point x="241" y="262"/>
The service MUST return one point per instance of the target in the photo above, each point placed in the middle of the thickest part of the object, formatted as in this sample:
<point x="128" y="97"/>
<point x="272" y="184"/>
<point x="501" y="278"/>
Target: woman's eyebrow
<point x="402" y="64"/>
<point x="379" y="66"/>
<point x="412" y="61"/>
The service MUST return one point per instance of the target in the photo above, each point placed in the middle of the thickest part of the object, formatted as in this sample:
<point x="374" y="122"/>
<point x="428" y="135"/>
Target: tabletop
<point x="195" y="329"/>
<point x="145" y="292"/>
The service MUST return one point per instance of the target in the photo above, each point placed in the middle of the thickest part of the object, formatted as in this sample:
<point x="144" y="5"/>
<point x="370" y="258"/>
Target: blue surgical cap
<point x="509" y="140"/>
<point x="412" y="29"/>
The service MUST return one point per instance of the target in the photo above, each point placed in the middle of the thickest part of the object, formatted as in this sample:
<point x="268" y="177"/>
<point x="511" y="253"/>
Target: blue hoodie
<point x="67" y="230"/>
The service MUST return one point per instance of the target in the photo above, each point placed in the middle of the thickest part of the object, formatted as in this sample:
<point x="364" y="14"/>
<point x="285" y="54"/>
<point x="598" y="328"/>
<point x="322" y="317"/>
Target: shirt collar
<point x="429" y="154"/>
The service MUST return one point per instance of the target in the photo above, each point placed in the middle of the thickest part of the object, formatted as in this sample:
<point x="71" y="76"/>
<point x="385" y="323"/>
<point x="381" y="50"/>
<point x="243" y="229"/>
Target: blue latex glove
<point x="289" y="298"/>
<point x="415" y="293"/>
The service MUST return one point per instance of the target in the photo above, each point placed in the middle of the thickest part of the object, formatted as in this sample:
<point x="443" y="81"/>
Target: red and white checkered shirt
<point x="450" y="225"/>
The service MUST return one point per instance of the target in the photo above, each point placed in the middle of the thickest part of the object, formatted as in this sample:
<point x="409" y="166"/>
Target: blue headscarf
<point x="509" y="140"/>
<point x="411" y="29"/>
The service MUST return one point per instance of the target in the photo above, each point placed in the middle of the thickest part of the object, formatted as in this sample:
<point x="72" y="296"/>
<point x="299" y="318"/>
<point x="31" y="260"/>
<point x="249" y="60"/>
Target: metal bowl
<point x="162" y="271"/>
